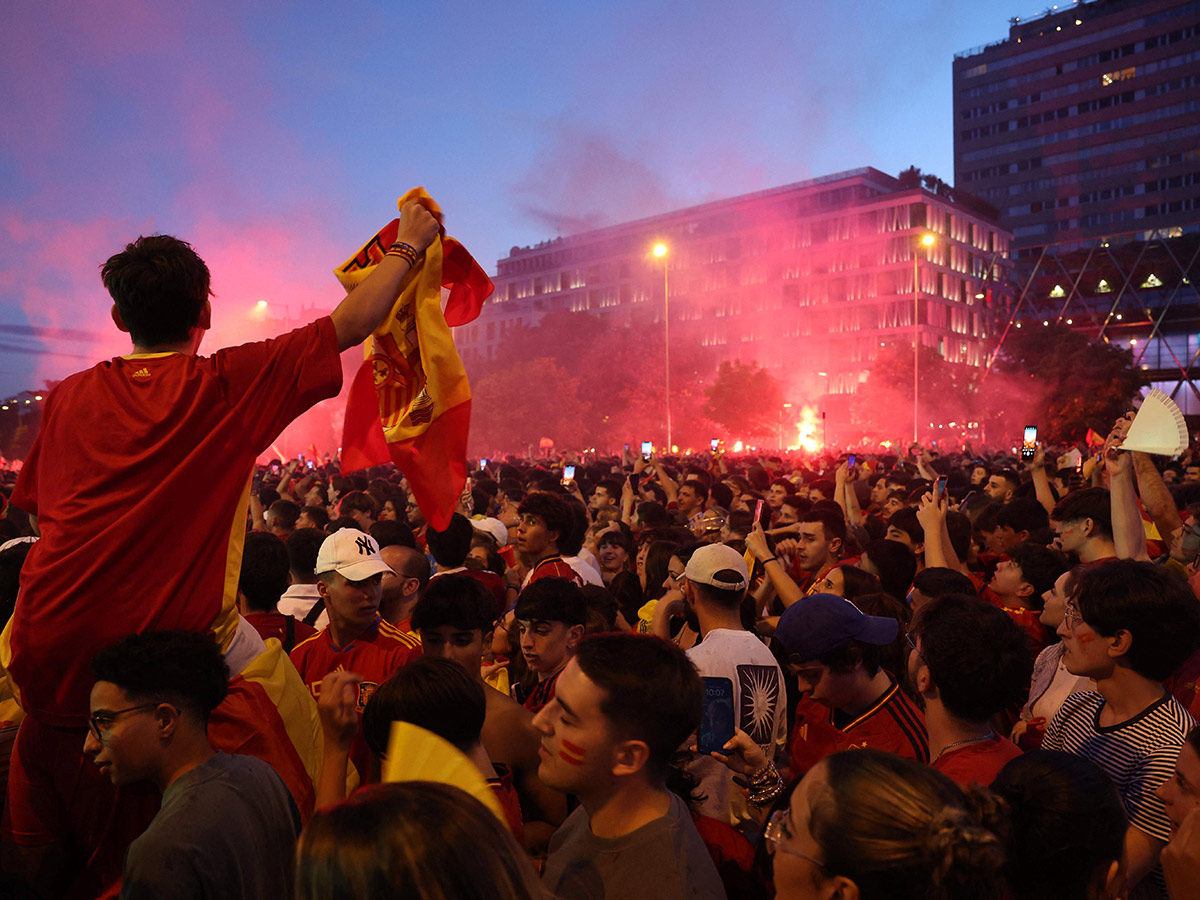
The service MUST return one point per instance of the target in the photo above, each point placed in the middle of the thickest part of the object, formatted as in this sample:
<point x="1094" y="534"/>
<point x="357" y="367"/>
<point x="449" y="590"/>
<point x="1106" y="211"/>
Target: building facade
<point x="1085" y="121"/>
<point x="809" y="280"/>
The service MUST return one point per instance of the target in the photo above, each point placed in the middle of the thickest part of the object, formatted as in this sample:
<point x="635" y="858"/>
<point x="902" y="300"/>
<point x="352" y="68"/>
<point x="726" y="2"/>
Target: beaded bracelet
<point x="405" y="251"/>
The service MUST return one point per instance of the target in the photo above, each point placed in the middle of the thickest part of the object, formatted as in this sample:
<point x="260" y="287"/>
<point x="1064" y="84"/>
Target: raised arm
<point x="1041" y="481"/>
<point x="367" y="305"/>
<point x="787" y="589"/>
<point x="1156" y="498"/>
<point x="1129" y="535"/>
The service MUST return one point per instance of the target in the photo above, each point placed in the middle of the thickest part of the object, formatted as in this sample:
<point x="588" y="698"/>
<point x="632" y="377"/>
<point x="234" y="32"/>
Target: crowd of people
<point x="963" y="675"/>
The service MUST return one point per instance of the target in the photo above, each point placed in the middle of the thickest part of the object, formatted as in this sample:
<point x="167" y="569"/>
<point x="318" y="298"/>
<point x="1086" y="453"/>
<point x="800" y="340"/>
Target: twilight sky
<point x="277" y="136"/>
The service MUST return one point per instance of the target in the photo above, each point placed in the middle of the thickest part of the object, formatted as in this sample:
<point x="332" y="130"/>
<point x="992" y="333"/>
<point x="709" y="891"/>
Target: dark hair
<point x="414" y="839"/>
<point x="721" y="597"/>
<point x="286" y="511"/>
<point x="785" y="484"/>
<point x="740" y="521"/>
<point x="893" y="657"/>
<point x="432" y="693"/>
<point x="652" y="691"/>
<point x="652" y="514"/>
<point x="1023" y="514"/>
<point x="1088" y="503"/>
<point x="389" y="533"/>
<point x="570" y="543"/>
<point x="160" y="286"/>
<point x="844" y="659"/>
<point x="938" y="581"/>
<point x="303" y="545"/>
<point x="1065" y="823"/>
<point x="1156" y="607"/>
<point x="264" y="574"/>
<point x="552" y="600"/>
<point x="357" y="501"/>
<point x="553" y="511"/>
<point x="611" y="486"/>
<point x="341" y="522"/>
<point x="906" y="520"/>
<point x="825" y="486"/>
<point x="1040" y="567"/>
<point x="450" y="547"/>
<point x="456" y="600"/>
<point x="978" y="656"/>
<point x="896" y="564"/>
<point x="958" y="527"/>
<point x="180" y="667"/>
<point x="857" y="582"/>
<point x="1010" y="475"/>
<point x="318" y="514"/>
<point x="699" y="487"/>
<point x="658" y="560"/>
<point x="902" y="830"/>
<point x="722" y="494"/>
<point x="602" y="609"/>
<point x="832" y="523"/>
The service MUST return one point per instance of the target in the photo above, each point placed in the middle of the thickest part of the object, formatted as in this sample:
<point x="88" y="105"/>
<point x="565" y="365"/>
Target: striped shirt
<point x="1138" y="754"/>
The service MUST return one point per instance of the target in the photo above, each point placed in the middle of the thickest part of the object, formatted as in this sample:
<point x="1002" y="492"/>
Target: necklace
<point x="983" y="737"/>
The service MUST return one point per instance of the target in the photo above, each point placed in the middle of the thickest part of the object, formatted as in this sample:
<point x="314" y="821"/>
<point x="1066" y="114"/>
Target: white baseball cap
<point x="352" y="554"/>
<point x="494" y="527"/>
<point x="710" y="559"/>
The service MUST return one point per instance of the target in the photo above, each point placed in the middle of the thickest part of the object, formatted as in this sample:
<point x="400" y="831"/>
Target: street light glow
<point x="262" y="304"/>
<point x="928" y="239"/>
<point x="660" y="250"/>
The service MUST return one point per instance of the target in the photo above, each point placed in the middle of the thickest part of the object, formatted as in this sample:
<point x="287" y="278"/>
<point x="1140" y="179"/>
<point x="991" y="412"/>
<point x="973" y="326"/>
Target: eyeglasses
<point x="776" y="834"/>
<point x="908" y="636"/>
<point x="101" y="722"/>
<point x="676" y="577"/>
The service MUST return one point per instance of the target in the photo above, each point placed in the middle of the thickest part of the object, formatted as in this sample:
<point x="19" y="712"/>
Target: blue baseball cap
<point x="821" y="623"/>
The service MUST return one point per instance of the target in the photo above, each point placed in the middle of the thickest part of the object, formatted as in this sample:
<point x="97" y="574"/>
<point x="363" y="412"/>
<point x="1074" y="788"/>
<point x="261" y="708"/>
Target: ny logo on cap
<point x="364" y="545"/>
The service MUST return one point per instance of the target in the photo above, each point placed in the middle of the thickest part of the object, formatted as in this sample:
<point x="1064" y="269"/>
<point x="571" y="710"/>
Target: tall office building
<point x="1085" y="121"/>
<point x="809" y="280"/>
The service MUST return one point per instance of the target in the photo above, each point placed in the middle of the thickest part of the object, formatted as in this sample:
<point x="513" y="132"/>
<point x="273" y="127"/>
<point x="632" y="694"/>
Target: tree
<point x="524" y="402"/>
<point x="883" y="405"/>
<point x="745" y="400"/>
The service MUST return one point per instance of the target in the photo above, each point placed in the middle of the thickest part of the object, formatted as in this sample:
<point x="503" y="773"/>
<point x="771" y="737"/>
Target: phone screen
<point x="939" y="490"/>
<point x="311" y="464"/>
<point x="758" y="508"/>
<point x="715" y="442"/>
<point x="851" y="461"/>
<point x="717" y="723"/>
<point x="647" y="450"/>
<point x="483" y="463"/>
<point x="568" y="473"/>
<point x="1029" y="444"/>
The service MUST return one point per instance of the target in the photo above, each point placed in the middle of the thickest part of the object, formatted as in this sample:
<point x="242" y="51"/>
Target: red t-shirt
<point x="139" y="480"/>
<point x="553" y="567"/>
<point x="1028" y="619"/>
<point x="374" y="658"/>
<point x="542" y="693"/>
<point x="894" y="723"/>
<point x="274" y="625"/>
<point x="977" y="761"/>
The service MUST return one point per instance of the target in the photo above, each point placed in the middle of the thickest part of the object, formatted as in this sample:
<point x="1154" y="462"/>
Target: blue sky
<point x="277" y="136"/>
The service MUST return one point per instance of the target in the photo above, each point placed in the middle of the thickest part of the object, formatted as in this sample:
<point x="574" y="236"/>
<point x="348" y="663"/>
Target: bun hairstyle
<point x="903" y="831"/>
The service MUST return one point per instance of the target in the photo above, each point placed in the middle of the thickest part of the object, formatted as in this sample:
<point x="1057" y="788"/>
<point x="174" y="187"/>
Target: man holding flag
<point x="122" y="447"/>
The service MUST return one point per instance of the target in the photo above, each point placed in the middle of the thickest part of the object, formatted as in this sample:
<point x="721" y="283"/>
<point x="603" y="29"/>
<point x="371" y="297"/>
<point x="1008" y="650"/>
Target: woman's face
<point x="834" y="582"/>
<point x="388" y="513"/>
<point x="641" y="563"/>
<point x="613" y="557"/>
<point x="798" y="874"/>
<point x="1056" y="603"/>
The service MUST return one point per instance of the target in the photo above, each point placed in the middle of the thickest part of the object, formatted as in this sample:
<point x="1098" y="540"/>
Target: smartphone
<point x="714" y="443"/>
<point x="1029" y="444"/>
<point x="311" y="464"/>
<point x="483" y="464"/>
<point x="717" y="722"/>
<point x="851" y="461"/>
<point x="758" y="508"/>
<point x="626" y="446"/>
<point x="634" y="479"/>
<point x="275" y="467"/>
<point x="939" y="489"/>
<point x="1079" y="466"/>
<point x="568" y="473"/>
<point x="647" y="450"/>
<point x="962" y="504"/>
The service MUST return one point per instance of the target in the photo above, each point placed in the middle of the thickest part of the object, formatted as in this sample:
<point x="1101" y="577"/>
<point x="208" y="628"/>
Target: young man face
<point x="786" y="515"/>
<point x="1180" y="793"/>
<point x="815" y="550"/>
<point x="304" y="521"/>
<point x="601" y="500"/>
<point x="998" y="489"/>
<point x="352" y="605"/>
<point x="546" y="646"/>
<point x="879" y="492"/>
<point x="1086" y="651"/>
<point x="688" y="500"/>
<point x="535" y="539"/>
<point x="461" y="645"/>
<point x="892" y="506"/>
<point x="1072" y="535"/>
<point x="900" y="536"/>
<point x="127" y="750"/>
<point x="612" y="556"/>
<point x="1009" y="580"/>
<point x="775" y="495"/>
<point x="832" y="689"/>
<point x="1005" y="538"/>
<point x="579" y="748"/>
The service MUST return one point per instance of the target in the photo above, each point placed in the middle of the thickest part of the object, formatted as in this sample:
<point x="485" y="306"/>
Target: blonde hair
<point x="416" y="840"/>
<point x="903" y="830"/>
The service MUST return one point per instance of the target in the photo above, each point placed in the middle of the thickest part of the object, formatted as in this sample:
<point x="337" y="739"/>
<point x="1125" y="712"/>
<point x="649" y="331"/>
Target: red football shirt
<point x="374" y="658"/>
<point x="1028" y="619"/>
<point x="553" y="567"/>
<point x="977" y="761"/>
<point x="894" y="723"/>
<point x="139" y="481"/>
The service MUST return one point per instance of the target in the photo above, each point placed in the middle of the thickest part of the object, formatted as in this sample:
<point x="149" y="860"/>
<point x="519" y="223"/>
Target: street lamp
<point x="660" y="251"/>
<point x="927" y="240"/>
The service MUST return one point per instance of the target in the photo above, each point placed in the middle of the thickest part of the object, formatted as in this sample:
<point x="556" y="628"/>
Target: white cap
<point x="710" y="559"/>
<point x="493" y="527"/>
<point x="352" y="554"/>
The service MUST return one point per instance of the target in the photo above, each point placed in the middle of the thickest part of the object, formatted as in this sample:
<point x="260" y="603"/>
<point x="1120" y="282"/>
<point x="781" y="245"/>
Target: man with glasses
<point x="849" y="700"/>
<point x="220" y="813"/>
<point x="1129" y="627"/>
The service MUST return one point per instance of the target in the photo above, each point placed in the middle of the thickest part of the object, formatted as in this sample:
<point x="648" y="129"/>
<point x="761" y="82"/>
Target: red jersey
<point x="124" y="448"/>
<point x="893" y="723"/>
<point x="1028" y="619"/>
<point x="275" y="625"/>
<point x="977" y="761"/>
<point x="553" y="567"/>
<point x="510" y="803"/>
<point x="542" y="693"/>
<point x="374" y="657"/>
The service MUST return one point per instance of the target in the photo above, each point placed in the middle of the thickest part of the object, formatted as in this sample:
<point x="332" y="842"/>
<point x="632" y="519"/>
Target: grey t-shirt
<point x="226" y="829"/>
<point x="663" y="860"/>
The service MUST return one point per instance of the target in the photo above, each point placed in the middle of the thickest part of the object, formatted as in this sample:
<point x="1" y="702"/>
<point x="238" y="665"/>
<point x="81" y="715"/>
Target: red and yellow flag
<point x="410" y="402"/>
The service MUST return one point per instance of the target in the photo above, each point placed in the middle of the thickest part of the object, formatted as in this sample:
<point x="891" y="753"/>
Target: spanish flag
<point x="410" y="402"/>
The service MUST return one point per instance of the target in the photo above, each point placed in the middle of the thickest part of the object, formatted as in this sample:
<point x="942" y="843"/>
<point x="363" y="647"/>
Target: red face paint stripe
<point x="573" y="748"/>
<point x="567" y="758"/>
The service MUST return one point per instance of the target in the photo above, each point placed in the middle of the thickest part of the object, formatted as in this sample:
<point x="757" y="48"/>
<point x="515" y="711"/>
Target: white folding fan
<point x="1158" y="428"/>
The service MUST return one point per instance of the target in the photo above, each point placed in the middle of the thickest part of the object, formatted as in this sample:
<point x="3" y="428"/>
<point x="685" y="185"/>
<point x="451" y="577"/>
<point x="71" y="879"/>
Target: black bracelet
<point x="770" y="559"/>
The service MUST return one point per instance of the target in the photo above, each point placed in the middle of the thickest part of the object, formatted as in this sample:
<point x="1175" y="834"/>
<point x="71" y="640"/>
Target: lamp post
<point x="660" y="251"/>
<point x="927" y="240"/>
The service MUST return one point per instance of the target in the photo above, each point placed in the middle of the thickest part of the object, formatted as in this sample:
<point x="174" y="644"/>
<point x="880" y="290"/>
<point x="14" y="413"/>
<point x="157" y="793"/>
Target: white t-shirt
<point x="760" y="710"/>
<point x="298" y="601"/>
<point x="584" y="569"/>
